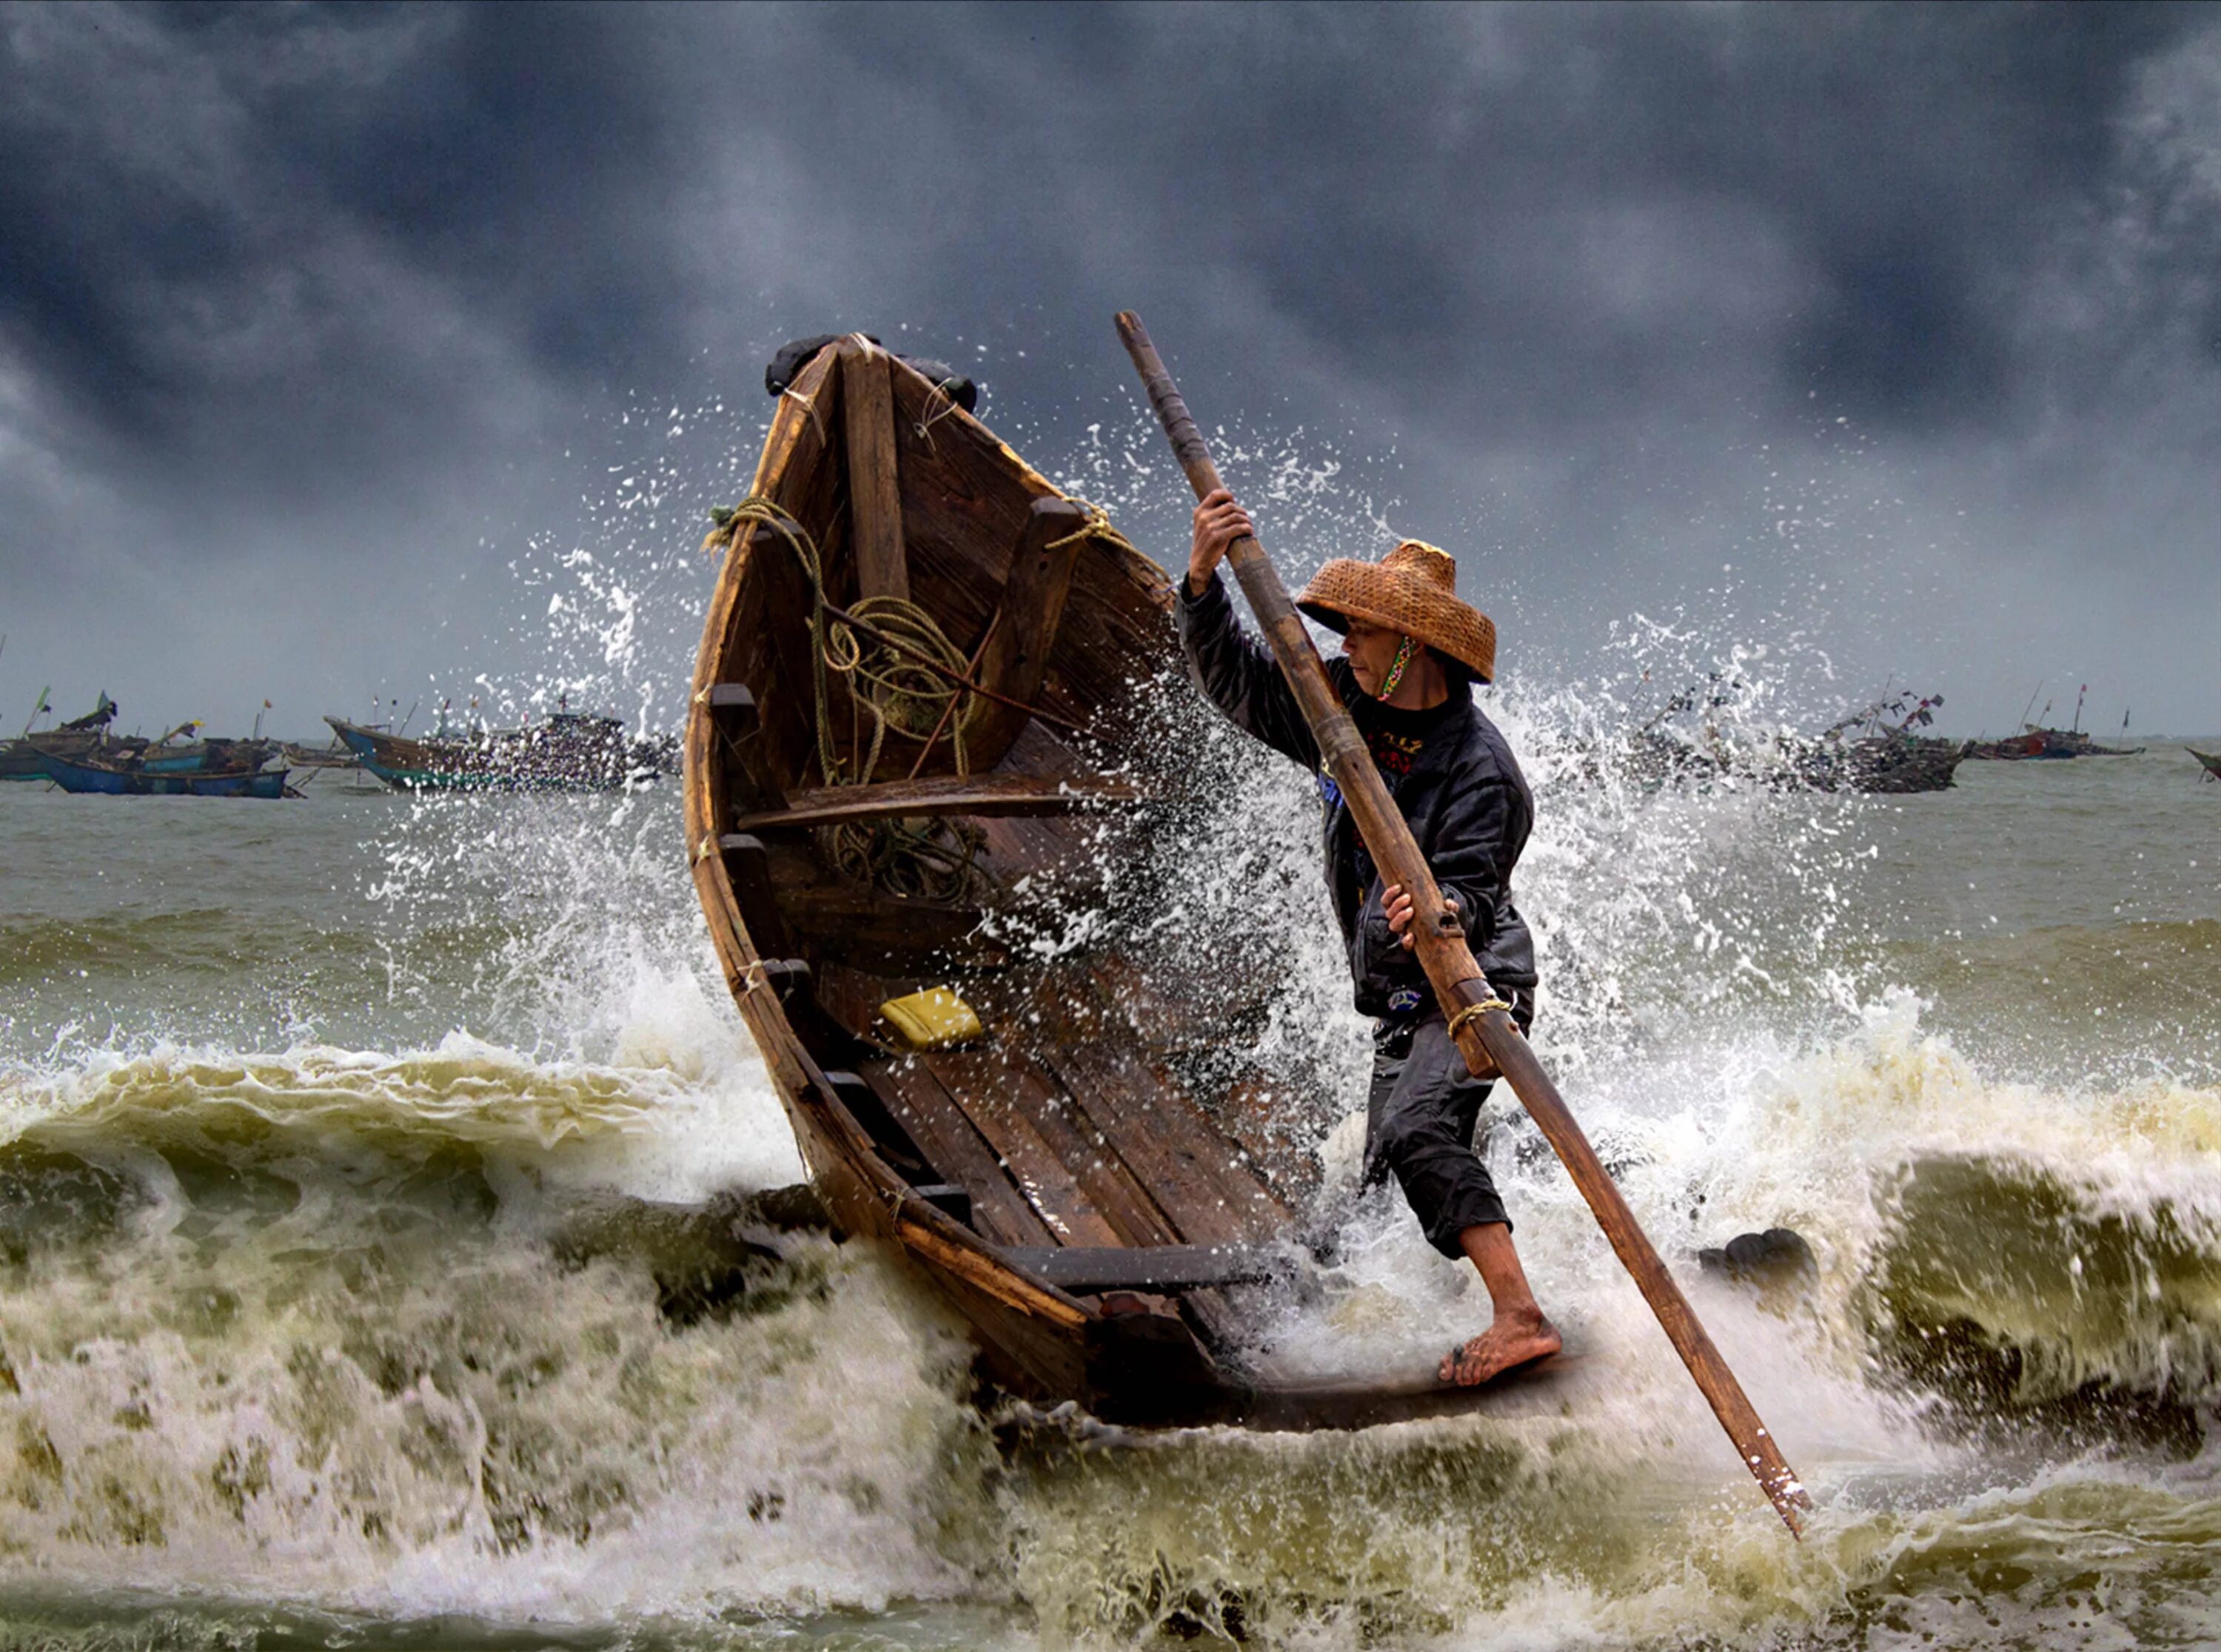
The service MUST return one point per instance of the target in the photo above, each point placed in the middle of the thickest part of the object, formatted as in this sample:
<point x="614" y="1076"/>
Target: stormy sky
<point x="394" y="353"/>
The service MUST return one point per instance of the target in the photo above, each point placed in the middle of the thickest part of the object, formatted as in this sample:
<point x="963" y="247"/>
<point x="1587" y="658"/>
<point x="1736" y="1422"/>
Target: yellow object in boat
<point x="936" y="1019"/>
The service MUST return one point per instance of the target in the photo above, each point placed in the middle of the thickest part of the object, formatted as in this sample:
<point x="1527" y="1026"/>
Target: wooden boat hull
<point x="509" y="761"/>
<point x="85" y="779"/>
<point x="102" y="780"/>
<point x="1885" y="765"/>
<point x="261" y="782"/>
<point x="22" y="758"/>
<point x="2210" y="761"/>
<point x="2047" y="745"/>
<point x="1088" y="1211"/>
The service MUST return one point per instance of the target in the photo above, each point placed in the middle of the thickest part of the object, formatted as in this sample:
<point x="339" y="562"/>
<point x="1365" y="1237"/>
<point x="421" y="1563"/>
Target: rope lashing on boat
<point x="889" y="682"/>
<point x="1096" y="526"/>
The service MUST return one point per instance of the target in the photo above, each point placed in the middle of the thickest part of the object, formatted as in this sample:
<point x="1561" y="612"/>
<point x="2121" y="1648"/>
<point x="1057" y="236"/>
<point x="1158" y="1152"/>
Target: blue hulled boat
<point x="132" y="780"/>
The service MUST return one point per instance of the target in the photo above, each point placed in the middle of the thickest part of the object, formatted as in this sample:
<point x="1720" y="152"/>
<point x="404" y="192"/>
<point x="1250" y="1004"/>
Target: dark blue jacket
<point x="1467" y="804"/>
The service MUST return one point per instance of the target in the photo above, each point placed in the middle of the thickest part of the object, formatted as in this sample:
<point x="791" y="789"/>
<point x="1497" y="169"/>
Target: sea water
<point x="390" y="1253"/>
<point x="399" y="1245"/>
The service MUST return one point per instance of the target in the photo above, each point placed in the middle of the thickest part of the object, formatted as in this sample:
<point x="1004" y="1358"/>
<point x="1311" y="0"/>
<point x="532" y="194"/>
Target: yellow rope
<point x="892" y="686"/>
<point x="889" y="684"/>
<point x="1096" y="526"/>
<point x="1473" y="1012"/>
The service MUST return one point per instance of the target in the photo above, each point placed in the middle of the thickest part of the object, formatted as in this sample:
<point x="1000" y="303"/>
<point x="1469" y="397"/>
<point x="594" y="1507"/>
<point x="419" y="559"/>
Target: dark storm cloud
<point x="301" y="290"/>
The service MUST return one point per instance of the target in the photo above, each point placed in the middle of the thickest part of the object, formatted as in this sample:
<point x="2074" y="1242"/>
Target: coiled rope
<point x="889" y="683"/>
<point x="884" y="658"/>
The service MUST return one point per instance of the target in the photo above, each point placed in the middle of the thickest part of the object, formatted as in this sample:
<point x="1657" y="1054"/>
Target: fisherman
<point x="1411" y="653"/>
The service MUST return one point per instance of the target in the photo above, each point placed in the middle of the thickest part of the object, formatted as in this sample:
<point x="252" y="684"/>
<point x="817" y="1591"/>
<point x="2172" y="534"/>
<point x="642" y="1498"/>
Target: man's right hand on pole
<point x="1219" y="523"/>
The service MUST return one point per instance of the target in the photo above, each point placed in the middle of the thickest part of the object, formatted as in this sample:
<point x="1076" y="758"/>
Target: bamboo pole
<point x="1481" y="1023"/>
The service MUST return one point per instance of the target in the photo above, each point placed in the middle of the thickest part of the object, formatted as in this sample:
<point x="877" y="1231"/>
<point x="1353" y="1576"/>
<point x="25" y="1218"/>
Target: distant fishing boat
<point x="85" y="736"/>
<point x="2047" y="745"/>
<point x="2034" y="743"/>
<point x="1888" y="757"/>
<point x="1888" y="764"/>
<point x="2073" y="743"/>
<point x="912" y="710"/>
<point x="333" y="756"/>
<point x="203" y="756"/>
<point x="571" y="751"/>
<point x="131" y="778"/>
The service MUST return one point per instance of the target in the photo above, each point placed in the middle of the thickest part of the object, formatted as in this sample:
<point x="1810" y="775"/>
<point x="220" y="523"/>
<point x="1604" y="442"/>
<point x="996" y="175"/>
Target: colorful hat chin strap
<point x="1404" y="650"/>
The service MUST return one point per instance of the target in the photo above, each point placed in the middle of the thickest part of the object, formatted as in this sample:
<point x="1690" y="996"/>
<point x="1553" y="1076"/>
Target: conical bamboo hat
<point x="1411" y="590"/>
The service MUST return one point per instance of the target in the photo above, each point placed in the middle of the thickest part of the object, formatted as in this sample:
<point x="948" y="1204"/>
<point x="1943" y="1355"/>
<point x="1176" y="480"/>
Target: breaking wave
<point x="410" y="1249"/>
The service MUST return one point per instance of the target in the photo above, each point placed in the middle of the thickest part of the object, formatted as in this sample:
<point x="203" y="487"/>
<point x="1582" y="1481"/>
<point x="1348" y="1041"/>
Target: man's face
<point x="1371" y="650"/>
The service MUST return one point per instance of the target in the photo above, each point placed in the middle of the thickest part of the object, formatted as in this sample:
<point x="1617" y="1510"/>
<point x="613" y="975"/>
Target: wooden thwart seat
<point x="1086" y="1270"/>
<point x="980" y="794"/>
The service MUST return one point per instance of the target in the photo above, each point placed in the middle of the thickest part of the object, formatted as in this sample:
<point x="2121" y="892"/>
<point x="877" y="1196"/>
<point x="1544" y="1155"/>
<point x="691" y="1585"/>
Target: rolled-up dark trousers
<point x="1419" y="1125"/>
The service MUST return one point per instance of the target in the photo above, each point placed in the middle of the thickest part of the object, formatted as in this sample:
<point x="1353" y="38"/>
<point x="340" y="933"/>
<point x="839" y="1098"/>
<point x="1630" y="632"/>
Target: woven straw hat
<point x="1411" y="590"/>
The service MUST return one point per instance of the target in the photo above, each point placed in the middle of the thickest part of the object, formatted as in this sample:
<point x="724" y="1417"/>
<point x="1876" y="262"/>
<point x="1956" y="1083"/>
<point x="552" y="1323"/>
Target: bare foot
<point x="1513" y="1340"/>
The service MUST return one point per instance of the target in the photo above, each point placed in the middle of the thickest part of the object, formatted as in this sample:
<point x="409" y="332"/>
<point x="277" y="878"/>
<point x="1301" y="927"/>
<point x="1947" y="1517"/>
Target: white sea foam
<point x="401" y="1325"/>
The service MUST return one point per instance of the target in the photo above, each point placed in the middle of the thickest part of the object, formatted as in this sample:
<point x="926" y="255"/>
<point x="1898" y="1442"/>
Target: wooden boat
<point x="1890" y="764"/>
<point x="2073" y="743"/>
<point x="20" y="758"/>
<point x="80" y="737"/>
<point x="571" y="751"/>
<point x="132" y="778"/>
<point x="2210" y="761"/>
<point x="211" y="756"/>
<point x="1102" y="1222"/>
<point x="334" y="756"/>
<point x="1872" y="749"/>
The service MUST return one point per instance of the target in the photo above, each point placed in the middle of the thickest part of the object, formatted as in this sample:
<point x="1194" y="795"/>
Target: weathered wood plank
<point x="1130" y="1003"/>
<point x="1111" y="1187"/>
<point x="916" y="1101"/>
<point x="979" y="1083"/>
<point x="851" y="923"/>
<point x="984" y="1274"/>
<point x="748" y="866"/>
<point x="977" y="795"/>
<point x="852" y="997"/>
<point x="875" y="506"/>
<point x="1179" y="1179"/>
<point x="1025" y="627"/>
<point x="1089" y="1271"/>
<point x="800" y="477"/>
<point x="893" y="1143"/>
<point x="754" y="776"/>
<point x="1074" y="1025"/>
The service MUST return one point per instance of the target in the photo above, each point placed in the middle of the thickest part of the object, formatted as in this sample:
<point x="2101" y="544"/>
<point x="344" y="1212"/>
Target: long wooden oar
<point x="1479" y="1021"/>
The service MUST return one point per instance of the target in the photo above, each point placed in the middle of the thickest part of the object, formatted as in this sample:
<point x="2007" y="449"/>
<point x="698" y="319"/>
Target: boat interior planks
<point x="1062" y="1172"/>
<point x="958" y="1154"/>
<point x="1004" y="1101"/>
<point x="1032" y="1118"/>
